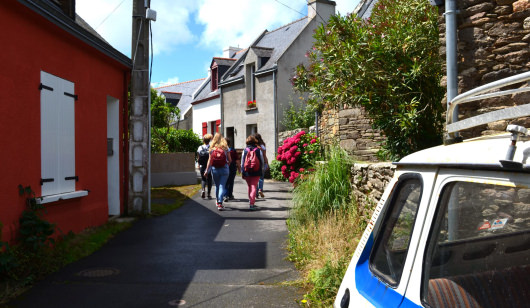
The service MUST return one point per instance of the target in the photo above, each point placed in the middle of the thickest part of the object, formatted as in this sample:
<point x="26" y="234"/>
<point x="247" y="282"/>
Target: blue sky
<point x="188" y="33"/>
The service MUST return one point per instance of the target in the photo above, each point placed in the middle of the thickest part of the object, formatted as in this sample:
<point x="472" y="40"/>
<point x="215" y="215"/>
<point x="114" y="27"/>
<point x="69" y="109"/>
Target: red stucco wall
<point x="30" y="44"/>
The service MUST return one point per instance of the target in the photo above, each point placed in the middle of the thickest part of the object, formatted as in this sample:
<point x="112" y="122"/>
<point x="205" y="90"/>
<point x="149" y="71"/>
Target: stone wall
<point x="352" y="130"/>
<point x="173" y="169"/>
<point x="370" y="180"/>
<point x="493" y="43"/>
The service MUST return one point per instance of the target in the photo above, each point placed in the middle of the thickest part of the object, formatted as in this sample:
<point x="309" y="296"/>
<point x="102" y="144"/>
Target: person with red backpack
<point x="232" y="170"/>
<point x="218" y="163"/>
<point x="252" y="168"/>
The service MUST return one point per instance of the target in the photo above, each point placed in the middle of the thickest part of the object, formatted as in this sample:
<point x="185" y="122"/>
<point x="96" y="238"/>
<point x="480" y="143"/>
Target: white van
<point x="453" y="226"/>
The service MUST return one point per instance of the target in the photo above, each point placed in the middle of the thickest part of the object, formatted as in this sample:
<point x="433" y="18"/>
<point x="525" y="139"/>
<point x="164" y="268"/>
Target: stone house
<point x="493" y="43"/>
<point x="181" y="95"/>
<point x="262" y="74"/>
<point x="64" y="118"/>
<point x="206" y="101"/>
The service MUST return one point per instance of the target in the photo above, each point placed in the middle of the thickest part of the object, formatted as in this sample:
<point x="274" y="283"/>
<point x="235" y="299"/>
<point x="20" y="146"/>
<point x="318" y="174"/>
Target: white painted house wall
<point x="208" y="111"/>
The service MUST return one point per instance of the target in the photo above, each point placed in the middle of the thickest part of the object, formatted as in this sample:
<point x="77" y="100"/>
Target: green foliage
<point x="388" y="64"/>
<point x="326" y="282"/>
<point x="276" y="170"/>
<point x="302" y="117"/>
<point x="162" y="113"/>
<point x="168" y="140"/>
<point x="164" y="137"/>
<point x="35" y="232"/>
<point x="327" y="189"/>
<point x="8" y="262"/>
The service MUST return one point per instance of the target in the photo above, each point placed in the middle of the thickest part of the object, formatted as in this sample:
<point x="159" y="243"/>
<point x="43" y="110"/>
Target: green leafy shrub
<point x="276" y="170"/>
<point x="302" y="117"/>
<point x="169" y="140"/>
<point x="389" y="64"/>
<point x="327" y="189"/>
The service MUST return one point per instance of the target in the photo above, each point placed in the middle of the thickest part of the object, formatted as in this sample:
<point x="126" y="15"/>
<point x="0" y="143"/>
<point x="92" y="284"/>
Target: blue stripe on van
<point x="369" y="286"/>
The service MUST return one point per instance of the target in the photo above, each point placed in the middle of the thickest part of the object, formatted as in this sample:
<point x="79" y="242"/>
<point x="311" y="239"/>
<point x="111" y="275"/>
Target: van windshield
<point x="479" y="247"/>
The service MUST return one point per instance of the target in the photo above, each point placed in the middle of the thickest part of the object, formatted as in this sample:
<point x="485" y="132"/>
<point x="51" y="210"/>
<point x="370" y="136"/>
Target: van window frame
<point x="383" y="234"/>
<point x="438" y="218"/>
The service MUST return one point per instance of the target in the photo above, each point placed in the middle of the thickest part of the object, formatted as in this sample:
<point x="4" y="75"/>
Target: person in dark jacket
<point x="252" y="177"/>
<point x="232" y="171"/>
<point x="203" y="156"/>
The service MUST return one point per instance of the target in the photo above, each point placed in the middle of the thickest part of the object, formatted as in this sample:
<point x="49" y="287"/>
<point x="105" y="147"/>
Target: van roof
<point x="482" y="152"/>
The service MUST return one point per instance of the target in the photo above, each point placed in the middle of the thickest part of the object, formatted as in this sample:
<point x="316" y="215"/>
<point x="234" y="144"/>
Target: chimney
<point x="230" y="52"/>
<point x="67" y="6"/>
<point x="320" y="9"/>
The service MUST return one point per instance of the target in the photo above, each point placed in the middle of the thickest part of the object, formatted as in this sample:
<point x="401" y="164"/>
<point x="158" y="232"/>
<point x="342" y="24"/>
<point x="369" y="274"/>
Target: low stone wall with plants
<point x="369" y="180"/>
<point x="352" y="129"/>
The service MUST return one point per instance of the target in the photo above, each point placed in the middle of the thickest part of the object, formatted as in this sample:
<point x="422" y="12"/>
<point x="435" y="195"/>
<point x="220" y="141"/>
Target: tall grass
<point x="325" y="225"/>
<point x="326" y="190"/>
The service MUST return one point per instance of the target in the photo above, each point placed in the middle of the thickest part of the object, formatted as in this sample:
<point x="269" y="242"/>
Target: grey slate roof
<point x="205" y="91"/>
<point x="364" y="8"/>
<point x="273" y="43"/>
<point x="184" y="90"/>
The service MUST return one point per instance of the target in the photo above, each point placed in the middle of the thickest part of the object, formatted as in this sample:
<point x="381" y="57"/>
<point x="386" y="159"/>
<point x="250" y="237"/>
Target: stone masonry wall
<point x="493" y="43"/>
<point x="370" y="180"/>
<point x="352" y="130"/>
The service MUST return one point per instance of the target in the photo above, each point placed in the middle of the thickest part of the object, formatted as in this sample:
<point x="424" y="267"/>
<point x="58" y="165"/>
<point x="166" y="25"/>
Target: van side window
<point x="390" y="250"/>
<point x="478" y="251"/>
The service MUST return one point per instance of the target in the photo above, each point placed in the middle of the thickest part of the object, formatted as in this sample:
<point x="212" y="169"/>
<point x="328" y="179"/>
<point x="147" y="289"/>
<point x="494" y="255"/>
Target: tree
<point x="164" y="137"/>
<point x="388" y="64"/>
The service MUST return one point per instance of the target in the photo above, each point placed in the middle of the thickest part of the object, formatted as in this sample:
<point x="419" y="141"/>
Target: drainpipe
<point x="275" y="103"/>
<point x="452" y="91"/>
<point x="222" y="117"/>
<point x="451" y="55"/>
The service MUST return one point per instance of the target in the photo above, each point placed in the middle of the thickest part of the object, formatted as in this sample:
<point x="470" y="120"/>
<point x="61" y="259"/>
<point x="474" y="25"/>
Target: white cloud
<point x="114" y="26"/>
<point x="169" y="31"/>
<point x="170" y="81"/>
<point x="239" y="22"/>
<point x="345" y="7"/>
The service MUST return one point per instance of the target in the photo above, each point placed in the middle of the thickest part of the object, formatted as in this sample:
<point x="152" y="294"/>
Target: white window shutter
<point x="57" y="135"/>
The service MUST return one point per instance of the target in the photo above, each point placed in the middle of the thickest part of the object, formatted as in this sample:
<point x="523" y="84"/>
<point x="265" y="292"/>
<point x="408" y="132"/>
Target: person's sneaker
<point x="203" y="194"/>
<point x="253" y="207"/>
<point x="209" y="196"/>
<point x="231" y="198"/>
<point x="261" y="194"/>
<point x="220" y="206"/>
<point x="225" y="199"/>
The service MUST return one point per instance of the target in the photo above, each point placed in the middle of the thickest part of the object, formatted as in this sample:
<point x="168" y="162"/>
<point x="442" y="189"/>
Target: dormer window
<point x="263" y="61"/>
<point x="214" y="77"/>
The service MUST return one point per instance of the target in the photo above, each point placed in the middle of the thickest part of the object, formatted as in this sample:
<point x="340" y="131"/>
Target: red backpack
<point x="218" y="157"/>
<point x="251" y="161"/>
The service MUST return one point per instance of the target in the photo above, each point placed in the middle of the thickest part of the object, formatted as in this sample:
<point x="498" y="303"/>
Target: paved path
<point x="195" y="257"/>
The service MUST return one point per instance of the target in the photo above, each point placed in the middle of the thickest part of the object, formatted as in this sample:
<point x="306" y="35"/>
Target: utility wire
<point x="105" y="19"/>
<point x="290" y="7"/>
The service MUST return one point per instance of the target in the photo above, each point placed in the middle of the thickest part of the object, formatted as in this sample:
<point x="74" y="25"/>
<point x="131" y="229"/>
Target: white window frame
<point x="57" y="114"/>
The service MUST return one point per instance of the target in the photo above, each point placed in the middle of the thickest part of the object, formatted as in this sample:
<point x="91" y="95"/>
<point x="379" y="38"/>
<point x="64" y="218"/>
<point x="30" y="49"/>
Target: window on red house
<point x="57" y="135"/>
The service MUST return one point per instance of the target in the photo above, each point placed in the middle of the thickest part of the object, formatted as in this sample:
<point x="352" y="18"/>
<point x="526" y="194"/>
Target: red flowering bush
<point x="298" y="154"/>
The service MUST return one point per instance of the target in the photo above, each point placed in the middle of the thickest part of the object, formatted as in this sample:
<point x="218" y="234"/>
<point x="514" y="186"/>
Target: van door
<point x="382" y="273"/>
<point x="476" y="243"/>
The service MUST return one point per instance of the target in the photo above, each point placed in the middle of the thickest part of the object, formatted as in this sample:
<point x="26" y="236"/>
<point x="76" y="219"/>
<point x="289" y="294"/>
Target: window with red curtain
<point x="214" y="77"/>
<point x="217" y="124"/>
<point x="204" y="128"/>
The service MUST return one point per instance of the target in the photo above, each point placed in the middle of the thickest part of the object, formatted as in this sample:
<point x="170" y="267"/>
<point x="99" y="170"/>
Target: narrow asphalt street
<point x="194" y="257"/>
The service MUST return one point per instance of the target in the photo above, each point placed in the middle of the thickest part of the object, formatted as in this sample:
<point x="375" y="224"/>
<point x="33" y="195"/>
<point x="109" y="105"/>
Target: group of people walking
<point x="218" y="162"/>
